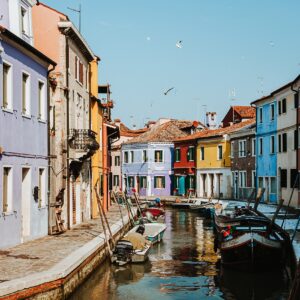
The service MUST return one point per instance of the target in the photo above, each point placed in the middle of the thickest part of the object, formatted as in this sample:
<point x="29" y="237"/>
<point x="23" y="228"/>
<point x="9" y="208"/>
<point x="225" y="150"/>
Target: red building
<point x="184" y="166"/>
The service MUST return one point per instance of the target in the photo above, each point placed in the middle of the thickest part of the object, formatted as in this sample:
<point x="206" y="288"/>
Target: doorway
<point x="26" y="197"/>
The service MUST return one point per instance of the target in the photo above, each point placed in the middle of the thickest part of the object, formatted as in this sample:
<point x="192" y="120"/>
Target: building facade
<point x="242" y="155"/>
<point x="24" y="156"/>
<point x="72" y="142"/>
<point x="184" y="167"/>
<point x="266" y="147"/>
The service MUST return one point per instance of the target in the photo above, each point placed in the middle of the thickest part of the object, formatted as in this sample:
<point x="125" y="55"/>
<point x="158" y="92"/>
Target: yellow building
<point x="213" y="166"/>
<point x="96" y="126"/>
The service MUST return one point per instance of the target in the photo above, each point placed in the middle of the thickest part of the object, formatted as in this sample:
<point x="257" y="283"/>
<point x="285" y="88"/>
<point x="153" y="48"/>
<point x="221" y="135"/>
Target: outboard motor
<point x="123" y="252"/>
<point x="141" y="229"/>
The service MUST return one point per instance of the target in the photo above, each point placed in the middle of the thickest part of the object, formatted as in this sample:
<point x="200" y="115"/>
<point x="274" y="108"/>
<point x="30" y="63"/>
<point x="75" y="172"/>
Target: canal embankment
<point x="53" y="267"/>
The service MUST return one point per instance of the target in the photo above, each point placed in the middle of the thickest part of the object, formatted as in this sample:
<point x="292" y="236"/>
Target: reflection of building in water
<point x="205" y="243"/>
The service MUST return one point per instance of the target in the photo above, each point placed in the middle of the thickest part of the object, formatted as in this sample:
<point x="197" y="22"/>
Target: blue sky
<point x="250" y="46"/>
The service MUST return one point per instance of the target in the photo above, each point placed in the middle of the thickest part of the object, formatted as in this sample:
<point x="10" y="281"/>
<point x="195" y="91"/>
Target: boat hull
<point x="252" y="251"/>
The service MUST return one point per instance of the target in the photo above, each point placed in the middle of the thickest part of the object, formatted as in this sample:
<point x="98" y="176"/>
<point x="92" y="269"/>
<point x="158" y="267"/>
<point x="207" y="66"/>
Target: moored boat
<point x="247" y="239"/>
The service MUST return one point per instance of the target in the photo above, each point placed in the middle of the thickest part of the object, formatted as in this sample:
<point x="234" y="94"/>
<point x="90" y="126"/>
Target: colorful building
<point x="184" y="167"/>
<point x="266" y="146"/>
<point x="242" y="155"/>
<point x="147" y="160"/>
<point x="237" y="114"/>
<point x="72" y="142"/>
<point x="24" y="156"/>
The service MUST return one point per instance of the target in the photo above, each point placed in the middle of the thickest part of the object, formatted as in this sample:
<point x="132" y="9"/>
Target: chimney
<point x="211" y="120"/>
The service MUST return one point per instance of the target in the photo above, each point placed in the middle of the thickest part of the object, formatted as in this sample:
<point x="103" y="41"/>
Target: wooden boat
<point x="154" y="232"/>
<point x="155" y="212"/>
<point x="247" y="239"/>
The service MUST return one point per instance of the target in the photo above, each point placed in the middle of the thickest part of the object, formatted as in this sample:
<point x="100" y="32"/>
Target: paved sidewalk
<point x="44" y="253"/>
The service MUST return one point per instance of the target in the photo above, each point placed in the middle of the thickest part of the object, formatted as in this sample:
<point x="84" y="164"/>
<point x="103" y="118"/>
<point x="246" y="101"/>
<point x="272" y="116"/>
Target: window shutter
<point x="296" y="100"/>
<point x="284" y="142"/>
<point x="163" y="182"/>
<point x="155" y="182"/>
<point x="283" y="178"/>
<point x="80" y="72"/>
<point x="284" y="105"/>
<point x="76" y="65"/>
<point x="295" y="139"/>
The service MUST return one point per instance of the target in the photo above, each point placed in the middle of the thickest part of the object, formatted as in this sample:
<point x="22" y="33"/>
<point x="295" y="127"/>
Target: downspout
<point x="48" y="146"/>
<point x="68" y="132"/>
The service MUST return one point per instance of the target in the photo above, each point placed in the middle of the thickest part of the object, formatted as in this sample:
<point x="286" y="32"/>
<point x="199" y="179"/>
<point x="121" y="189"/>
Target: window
<point x="260" y="182"/>
<point x="126" y="160"/>
<point x="7" y="189"/>
<point x="78" y="70"/>
<point x="279" y="143"/>
<point x="176" y="182"/>
<point x="295" y="139"/>
<point x="158" y="155"/>
<point x="242" y="179"/>
<point x="294" y="179"/>
<point x="202" y="153"/>
<point x="42" y="101"/>
<point x="42" y="188"/>
<point x="273" y="185"/>
<point x="131" y="156"/>
<point x="296" y="100"/>
<point x="284" y="106"/>
<point x="279" y="107"/>
<point x="272" y="144"/>
<point x="191" y="154"/>
<point x="24" y="21"/>
<point x="272" y="112"/>
<point x="25" y="94"/>
<point x="260" y="149"/>
<point x="177" y="154"/>
<point x="191" y="182"/>
<point x="117" y="160"/>
<point x="260" y="114"/>
<point x="242" y="148"/>
<point x="220" y="152"/>
<point x="232" y="149"/>
<point x="116" y="180"/>
<point x="145" y="156"/>
<point x="7" y="87"/>
<point x="283" y="178"/>
<point x="143" y="182"/>
<point x="76" y="67"/>
<point x="253" y="178"/>
<point x="284" y="142"/>
<point x="253" y="141"/>
<point x="130" y="181"/>
<point x="159" y="182"/>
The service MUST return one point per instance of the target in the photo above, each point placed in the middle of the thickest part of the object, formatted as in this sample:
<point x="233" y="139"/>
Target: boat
<point x="247" y="239"/>
<point x="190" y="203"/>
<point x="132" y="248"/>
<point x="155" y="212"/>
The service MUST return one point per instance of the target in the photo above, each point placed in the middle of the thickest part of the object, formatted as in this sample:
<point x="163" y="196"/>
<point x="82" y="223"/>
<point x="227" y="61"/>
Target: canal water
<point x="183" y="266"/>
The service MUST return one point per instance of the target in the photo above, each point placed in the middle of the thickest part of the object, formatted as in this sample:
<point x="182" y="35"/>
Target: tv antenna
<point x="79" y="14"/>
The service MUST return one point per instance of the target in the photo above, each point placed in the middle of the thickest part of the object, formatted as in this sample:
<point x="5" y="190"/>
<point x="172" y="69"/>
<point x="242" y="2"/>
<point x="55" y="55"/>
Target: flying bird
<point x="166" y="92"/>
<point x="179" y="44"/>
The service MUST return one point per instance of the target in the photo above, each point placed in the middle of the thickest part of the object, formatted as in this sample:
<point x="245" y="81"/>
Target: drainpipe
<point x="256" y="152"/>
<point x="48" y="146"/>
<point x="68" y="132"/>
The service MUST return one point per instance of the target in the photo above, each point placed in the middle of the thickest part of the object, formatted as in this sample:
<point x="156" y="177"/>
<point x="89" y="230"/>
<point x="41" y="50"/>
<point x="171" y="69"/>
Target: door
<point x="181" y="187"/>
<point x="26" y="197"/>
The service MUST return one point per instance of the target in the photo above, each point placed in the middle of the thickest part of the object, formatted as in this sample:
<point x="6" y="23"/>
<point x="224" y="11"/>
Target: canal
<point x="183" y="266"/>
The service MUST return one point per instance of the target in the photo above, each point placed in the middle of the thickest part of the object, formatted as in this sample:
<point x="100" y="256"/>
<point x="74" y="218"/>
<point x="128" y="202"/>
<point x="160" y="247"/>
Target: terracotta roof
<point x="165" y="132"/>
<point x="207" y="133"/>
<point x="246" y="112"/>
<point x="125" y="131"/>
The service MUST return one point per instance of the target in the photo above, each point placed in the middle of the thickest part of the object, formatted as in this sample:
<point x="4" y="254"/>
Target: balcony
<point x="83" y="140"/>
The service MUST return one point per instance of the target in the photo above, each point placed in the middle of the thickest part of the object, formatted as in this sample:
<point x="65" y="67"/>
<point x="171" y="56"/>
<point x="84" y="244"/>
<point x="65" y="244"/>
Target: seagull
<point x="179" y="44"/>
<point x="166" y="92"/>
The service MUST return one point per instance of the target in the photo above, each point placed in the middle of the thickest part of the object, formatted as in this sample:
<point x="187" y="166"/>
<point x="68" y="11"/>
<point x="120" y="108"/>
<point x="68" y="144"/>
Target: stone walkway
<point x="42" y="254"/>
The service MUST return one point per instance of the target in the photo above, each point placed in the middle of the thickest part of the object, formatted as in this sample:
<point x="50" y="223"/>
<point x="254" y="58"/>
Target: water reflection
<point x="183" y="266"/>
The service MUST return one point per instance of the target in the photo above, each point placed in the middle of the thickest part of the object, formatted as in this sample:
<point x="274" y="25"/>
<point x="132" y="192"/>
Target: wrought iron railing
<point x="83" y="139"/>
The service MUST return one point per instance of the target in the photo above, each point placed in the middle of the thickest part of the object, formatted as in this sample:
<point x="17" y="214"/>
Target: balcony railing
<point x="83" y="139"/>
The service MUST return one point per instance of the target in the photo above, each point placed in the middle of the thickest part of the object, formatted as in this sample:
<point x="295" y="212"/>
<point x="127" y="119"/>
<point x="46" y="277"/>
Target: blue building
<point x="266" y="147"/>
<point x="24" y="156"/>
